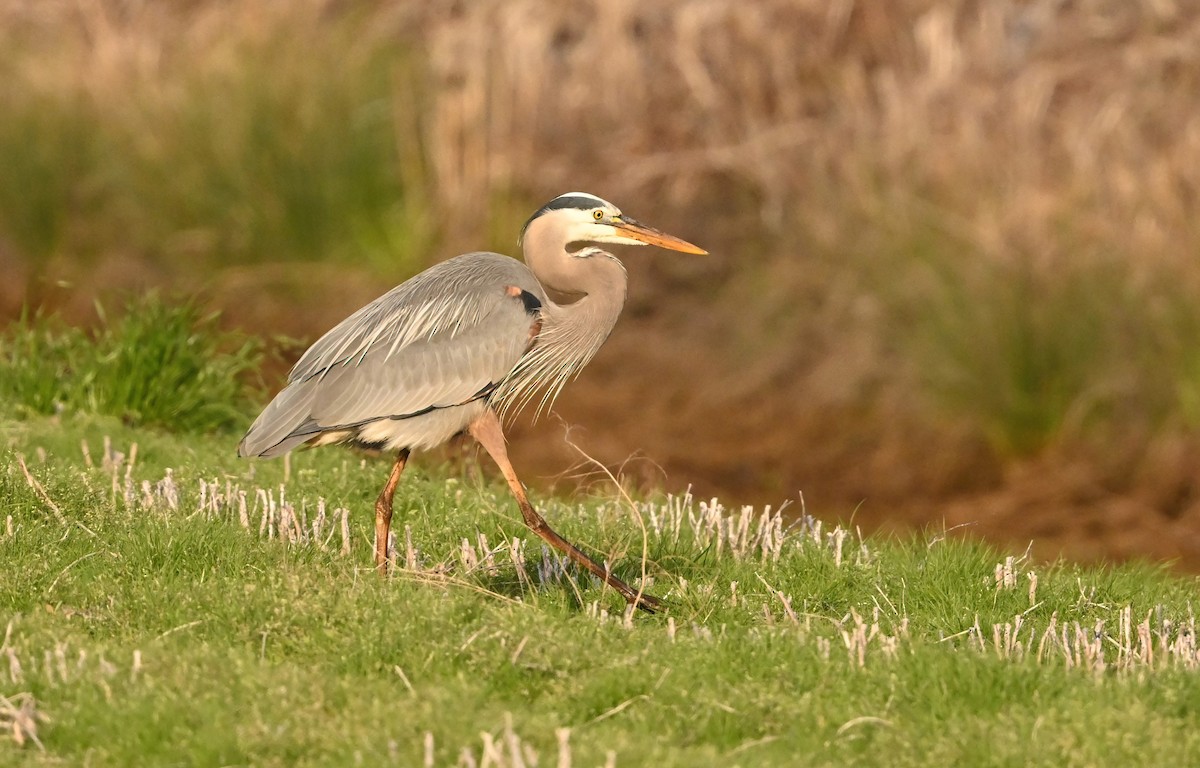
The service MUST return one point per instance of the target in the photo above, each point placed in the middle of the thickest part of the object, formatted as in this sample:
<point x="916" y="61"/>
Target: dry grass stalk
<point x="563" y="736"/>
<point x="15" y="675"/>
<point x="785" y="600"/>
<point x="40" y="490"/>
<point x="19" y="715"/>
<point x="1006" y="577"/>
<point x="345" y="530"/>
<point x="858" y="636"/>
<point x="504" y="751"/>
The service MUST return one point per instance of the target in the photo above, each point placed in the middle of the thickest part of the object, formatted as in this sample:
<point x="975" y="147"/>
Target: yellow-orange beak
<point x="652" y="236"/>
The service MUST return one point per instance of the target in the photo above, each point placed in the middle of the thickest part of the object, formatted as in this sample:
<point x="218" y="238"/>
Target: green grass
<point x="161" y="362"/>
<point x="152" y="630"/>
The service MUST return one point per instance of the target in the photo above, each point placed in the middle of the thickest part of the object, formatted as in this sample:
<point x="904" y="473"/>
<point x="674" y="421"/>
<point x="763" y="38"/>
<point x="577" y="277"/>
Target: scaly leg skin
<point x="383" y="512"/>
<point x="486" y="429"/>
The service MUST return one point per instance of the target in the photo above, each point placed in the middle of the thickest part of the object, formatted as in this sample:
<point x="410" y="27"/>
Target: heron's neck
<point x="586" y="293"/>
<point x="587" y="309"/>
<point x="583" y="298"/>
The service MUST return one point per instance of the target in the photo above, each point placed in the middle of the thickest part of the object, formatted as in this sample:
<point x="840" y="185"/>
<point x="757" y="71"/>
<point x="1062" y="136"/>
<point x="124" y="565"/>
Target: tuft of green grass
<point x="153" y="622"/>
<point x="1015" y="353"/>
<point x="1031" y="355"/>
<point x="160" y="363"/>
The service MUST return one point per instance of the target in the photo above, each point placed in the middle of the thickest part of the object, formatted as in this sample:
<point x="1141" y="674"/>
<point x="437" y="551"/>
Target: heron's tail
<point x="282" y="424"/>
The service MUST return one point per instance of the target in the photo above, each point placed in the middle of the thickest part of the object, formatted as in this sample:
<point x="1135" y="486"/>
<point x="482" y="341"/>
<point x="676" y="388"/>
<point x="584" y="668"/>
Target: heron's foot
<point x="647" y="603"/>
<point x="641" y="600"/>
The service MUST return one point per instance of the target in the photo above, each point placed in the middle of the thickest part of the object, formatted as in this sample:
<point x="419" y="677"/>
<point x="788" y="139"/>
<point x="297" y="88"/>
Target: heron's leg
<point x="486" y="429"/>
<point x="383" y="511"/>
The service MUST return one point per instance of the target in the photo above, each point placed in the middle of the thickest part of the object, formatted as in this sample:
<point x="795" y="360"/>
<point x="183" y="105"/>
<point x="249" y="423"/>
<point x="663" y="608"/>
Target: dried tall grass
<point x="1005" y="122"/>
<point x="945" y="168"/>
<point x="1035" y="128"/>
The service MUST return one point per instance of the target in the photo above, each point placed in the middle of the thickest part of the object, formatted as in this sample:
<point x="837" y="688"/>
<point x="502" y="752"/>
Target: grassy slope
<point x="256" y="652"/>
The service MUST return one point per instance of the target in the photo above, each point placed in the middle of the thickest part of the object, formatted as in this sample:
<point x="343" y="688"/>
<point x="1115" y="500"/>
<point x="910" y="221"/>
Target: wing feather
<point x="445" y="299"/>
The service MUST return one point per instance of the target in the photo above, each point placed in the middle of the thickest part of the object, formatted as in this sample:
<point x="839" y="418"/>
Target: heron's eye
<point x="598" y="214"/>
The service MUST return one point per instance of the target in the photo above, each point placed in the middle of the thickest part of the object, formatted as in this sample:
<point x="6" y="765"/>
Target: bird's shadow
<point x="568" y="585"/>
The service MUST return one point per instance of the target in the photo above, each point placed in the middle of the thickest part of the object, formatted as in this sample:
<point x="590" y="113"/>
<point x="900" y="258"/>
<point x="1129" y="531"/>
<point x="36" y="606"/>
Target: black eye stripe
<point x="570" y="201"/>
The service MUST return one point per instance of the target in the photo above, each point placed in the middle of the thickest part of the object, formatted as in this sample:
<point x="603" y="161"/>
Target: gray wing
<point x="445" y="337"/>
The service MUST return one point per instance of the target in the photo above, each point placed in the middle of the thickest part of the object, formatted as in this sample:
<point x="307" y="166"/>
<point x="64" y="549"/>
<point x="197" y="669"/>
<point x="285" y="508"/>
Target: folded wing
<point x="444" y="338"/>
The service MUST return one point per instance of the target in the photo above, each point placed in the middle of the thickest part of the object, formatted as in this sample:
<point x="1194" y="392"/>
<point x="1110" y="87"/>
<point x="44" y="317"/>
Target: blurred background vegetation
<point x="955" y="241"/>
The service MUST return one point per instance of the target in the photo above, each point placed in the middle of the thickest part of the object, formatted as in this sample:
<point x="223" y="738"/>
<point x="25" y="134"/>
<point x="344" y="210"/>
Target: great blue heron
<point x="461" y="344"/>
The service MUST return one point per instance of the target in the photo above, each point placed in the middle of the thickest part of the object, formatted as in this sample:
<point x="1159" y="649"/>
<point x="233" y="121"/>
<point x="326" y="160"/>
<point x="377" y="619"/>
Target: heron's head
<point x="577" y="218"/>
